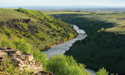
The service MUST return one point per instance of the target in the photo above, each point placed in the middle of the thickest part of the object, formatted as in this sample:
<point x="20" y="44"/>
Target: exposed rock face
<point x="17" y="24"/>
<point x="44" y="73"/>
<point x="22" y="20"/>
<point x="21" y="59"/>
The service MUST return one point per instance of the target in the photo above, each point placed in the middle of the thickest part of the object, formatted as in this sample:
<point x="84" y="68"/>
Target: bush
<point x="22" y="45"/>
<point x="102" y="72"/>
<point x="15" y="42"/>
<point x="65" y="65"/>
<point x="5" y="42"/>
<point x="24" y="25"/>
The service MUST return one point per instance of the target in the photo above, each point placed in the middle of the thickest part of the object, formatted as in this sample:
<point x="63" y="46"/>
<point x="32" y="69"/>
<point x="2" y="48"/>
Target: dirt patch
<point x="120" y="18"/>
<point x="15" y="24"/>
<point x="22" y="20"/>
<point x="122" y="26"/>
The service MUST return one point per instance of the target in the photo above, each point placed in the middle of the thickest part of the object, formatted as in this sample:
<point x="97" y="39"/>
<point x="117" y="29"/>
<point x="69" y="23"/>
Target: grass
<point x="112" y="18"/>
<point x="8" y="14"/>
<point x="42" y="30"/>
<point x="118" y="29"/>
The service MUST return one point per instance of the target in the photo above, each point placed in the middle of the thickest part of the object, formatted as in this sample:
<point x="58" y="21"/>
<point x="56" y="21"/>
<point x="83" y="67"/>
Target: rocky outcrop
<point x="44" y="73"/>
<point x="22" y="60"/>
<point x="22" y="20"/>
<point x="21" y="25"/>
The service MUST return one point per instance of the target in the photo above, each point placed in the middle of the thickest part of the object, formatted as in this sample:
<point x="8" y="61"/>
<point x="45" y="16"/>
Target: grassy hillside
<point x="38" y="29"/>
<point x="105" y="44"/>
<point x="9" y="14"/>
<point x="29" y="30"/>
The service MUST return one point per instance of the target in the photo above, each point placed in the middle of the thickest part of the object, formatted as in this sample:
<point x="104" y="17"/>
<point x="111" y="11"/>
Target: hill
<point x="31" y="31"/>
<point x="34" y="27"/>
<point x="105" y="43"/>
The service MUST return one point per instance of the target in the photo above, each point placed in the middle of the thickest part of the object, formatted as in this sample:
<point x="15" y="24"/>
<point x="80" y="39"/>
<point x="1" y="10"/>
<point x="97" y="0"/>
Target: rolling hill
<point x="35" y="27"/>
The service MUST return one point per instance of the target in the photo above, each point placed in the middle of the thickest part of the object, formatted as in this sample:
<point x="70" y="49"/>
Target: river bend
<point x="62" y="48"/>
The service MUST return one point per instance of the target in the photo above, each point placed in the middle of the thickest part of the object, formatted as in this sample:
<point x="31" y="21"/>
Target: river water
<point x="62" y="48"/>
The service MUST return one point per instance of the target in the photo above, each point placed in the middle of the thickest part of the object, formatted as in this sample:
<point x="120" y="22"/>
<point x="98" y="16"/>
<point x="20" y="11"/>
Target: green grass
<point x="8" y="14"/>
<point x="112" y="18"/>
<point x="41" y="32"/>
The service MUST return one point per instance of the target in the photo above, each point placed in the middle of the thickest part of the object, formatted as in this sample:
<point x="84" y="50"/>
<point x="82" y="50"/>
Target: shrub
<point x="15" y="42"/>
<point x="25" y="25"/>
<point x="65" y="65"/>
<point x="102" y="29"/>
<point x="102" y="72"/>
<point x="19" y="35"/>
<point x="16" y="31"/>
<point x="5" y="42"/>
<point x="23" y="45"/>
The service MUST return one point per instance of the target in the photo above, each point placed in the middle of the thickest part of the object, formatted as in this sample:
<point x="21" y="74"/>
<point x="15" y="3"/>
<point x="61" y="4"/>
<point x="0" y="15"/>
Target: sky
<point x="12" y="3"/>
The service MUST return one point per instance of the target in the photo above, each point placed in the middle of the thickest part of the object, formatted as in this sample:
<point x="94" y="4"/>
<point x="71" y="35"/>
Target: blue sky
<point x="11" y="3"/>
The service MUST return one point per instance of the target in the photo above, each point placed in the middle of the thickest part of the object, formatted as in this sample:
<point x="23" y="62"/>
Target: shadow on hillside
<point x="103" y="50"/>
<point x="90" y="25"/>
<point x="99" y="49"/>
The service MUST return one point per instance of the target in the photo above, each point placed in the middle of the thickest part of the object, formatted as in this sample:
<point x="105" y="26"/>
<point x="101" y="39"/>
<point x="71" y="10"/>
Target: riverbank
<point x="63" y="47"/>
<point x="57" y="43"/>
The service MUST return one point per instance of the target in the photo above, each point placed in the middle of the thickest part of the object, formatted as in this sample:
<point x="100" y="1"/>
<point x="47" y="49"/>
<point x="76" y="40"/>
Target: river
<point x="62" y="48"/>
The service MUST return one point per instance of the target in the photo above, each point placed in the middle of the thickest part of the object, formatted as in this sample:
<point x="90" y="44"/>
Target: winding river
<point x="62" y="48"/>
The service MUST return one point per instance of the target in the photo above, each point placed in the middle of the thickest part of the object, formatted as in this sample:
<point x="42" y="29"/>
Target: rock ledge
<point x="22" y="60"/>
